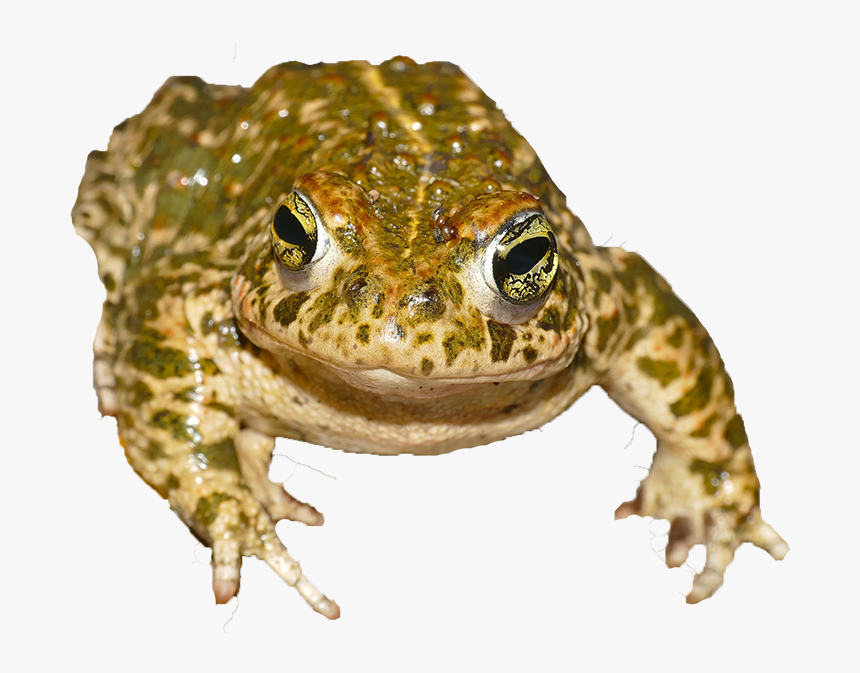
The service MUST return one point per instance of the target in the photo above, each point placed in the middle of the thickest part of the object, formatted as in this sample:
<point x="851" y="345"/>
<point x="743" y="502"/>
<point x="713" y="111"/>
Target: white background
<point x="722" y="144"/>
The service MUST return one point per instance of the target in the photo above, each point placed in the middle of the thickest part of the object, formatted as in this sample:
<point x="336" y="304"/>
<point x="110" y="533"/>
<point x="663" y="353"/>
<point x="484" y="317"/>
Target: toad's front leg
<point x="180" y="433"/>
<point x="664" y="370"/>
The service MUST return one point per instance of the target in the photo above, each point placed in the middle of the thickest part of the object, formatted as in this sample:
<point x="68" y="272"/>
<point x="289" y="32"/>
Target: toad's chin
<point x="382" y="381"/>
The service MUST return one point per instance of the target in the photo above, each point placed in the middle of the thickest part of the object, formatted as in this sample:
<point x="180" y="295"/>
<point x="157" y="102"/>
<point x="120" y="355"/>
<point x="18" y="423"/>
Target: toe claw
<point x="680" y="542"/>
<point x="630" y="508"/>
<point x="226" y="566"/>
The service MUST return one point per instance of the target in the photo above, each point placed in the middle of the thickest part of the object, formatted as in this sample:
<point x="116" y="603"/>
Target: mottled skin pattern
<point x="209" y="347"/>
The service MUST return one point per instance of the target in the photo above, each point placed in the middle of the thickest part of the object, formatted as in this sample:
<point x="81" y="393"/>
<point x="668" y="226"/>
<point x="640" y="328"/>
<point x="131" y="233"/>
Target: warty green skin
<point x="208" y="350"/>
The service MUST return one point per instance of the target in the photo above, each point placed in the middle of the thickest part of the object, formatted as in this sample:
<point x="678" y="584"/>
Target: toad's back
<point x="180" y="178"/>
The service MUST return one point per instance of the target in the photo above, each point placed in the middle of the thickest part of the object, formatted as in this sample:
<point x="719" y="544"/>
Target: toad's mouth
<point x="386" y="381"/>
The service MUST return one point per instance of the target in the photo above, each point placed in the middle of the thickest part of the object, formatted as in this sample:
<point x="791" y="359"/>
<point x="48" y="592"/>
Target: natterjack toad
<point x="372" y="259"/>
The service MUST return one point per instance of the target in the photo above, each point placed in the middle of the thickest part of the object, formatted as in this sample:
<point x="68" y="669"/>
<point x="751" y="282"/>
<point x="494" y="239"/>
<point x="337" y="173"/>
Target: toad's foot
<point x="235" y="511"/>
<point x="715" y="504"/>
<point x="230" y="520"/>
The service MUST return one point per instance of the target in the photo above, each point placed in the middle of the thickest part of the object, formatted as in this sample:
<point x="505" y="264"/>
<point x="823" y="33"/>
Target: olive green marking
<point x="635" y="337"/>
<point x="451" y="289"/>
<point x="603" y="282"/>
<point x="705" y="428"/>
<point x="189" y="394"/>
<point x="502" y="337"/>
<point x="550" y="320"/>
<point x="170" y="484"/>
<point x="728" y="386"/>
<point x="219" y="455"/>
<point x="606" y="327"/>
<point x="665" y="371"/>
<point x="712" y="473"/>
<point x="207" y="324"/>
<point x="348" y="239"/>
<point x="426" y="366"/>
<point x="174" y="423"/>
<point x="423" y="338"/>
<point x="324" y="306"/>
<point x="153" y="451"/>
<point x="467" y="336"/>
<point x="225" y="408"/>
<point x="229" y="333"/>
<point x="208" y="367"/>
<point x="530" y="354"/>
<point x="362" y="334"/>
<point x="570" y="315"/>
<point x="139" y="393"/>
<point x="735" y="433"/>
<point x="378" y="304"/>
<point x="162" y="363"/>
<point x="698" y="396"/>
<point x="109" y="282"/>
<point x="207" y="508"/>
<point x="636" y="271"/>
<point x="676" y="338"/>
<point x="287" y="310"/>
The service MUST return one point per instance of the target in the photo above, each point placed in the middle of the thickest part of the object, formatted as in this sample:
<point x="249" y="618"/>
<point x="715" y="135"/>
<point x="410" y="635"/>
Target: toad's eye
<point x="297" y="237"/>
<point x="524" y="260"/>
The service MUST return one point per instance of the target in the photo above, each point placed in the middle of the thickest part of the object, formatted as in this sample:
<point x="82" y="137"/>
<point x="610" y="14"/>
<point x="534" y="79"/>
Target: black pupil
<point x="522" y="258"/>
<point x="288" y="227"/>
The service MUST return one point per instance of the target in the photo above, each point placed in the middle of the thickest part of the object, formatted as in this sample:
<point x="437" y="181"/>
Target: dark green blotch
<point x="426" y="366"/>
<point x="162" y="363"/>
<point x="530" y="354"/>
<point x="665" y="371"/>
<point x="676" y="338"/>
<point x="465" y="337"/>
<point x="169" y="484"/>
<point x="287" y="309"/>
<point x="208" y="366"/>
<point x="324" y="306"/>
<point x="362" y="334"/>
<point x="348" y="239"/>
<point x="153" y="451"/>
<point x="705" y="429"/>
<point x="225" y="408"/>
<point x="451" y="289"/>
<point x="698" y="396"/>
<point x="606" y="327"/>
<point x="550" y="320"/>
<point x="728" y="386"/>
<point x="110" y="283"/>
<point x="666" y="304"/>
<point x="229" y="334"/>
<point x="189" y="394"/>
<point x="139" y="393"/>
<point x="176" y="424"/>
<point x="423" y="338"/>
<point x="735" y="433"/>
<point x="207" y="508"/>
<point x="603" y="282"/>
<point x="207" y="325"/>
<point x="710" y="472"/>
<point x="502" y="337"/>
<point x="220" y="455"/>
<point x="636" y="336"/>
